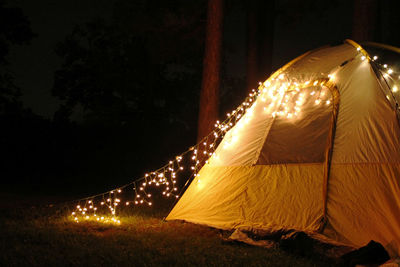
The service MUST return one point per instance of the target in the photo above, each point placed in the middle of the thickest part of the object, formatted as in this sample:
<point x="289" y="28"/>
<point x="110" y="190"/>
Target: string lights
<point x="390" y="76"/>
<point x="281" y="97"/>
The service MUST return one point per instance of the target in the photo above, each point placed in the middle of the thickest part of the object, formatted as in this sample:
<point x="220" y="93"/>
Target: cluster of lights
<point x="280" y="97"/>
<point x="286" y="99"/>
<point x="391" y="77"/>
<point x="138" y="191"/>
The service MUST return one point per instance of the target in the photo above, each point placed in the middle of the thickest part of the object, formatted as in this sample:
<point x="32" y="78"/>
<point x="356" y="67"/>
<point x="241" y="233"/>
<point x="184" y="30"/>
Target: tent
<point x="318" y="151"/>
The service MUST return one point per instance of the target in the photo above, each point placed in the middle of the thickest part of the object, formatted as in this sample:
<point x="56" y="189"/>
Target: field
<point x="36" y="234"/>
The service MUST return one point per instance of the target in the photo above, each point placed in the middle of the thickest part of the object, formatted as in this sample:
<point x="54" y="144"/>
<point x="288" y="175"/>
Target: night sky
<point x="51" y="20"/>
<point x="34" y="65"/>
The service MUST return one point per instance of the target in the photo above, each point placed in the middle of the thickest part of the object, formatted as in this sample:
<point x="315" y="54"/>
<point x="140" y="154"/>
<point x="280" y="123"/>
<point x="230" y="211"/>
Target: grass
<point x="33" y="235"/>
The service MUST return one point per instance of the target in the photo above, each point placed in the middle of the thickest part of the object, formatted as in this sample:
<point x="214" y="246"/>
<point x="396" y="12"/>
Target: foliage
<point x="144" y="64"/>
<point x="14" y="30"/>
<point x="131" y="82"/>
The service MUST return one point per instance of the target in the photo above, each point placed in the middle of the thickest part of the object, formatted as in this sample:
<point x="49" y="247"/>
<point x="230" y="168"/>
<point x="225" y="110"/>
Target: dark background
<point x="94" y="93"/>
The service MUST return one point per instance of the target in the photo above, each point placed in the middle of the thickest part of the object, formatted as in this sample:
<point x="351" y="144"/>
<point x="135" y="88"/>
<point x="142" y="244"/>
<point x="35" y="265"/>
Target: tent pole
<point x="329" y="150"/>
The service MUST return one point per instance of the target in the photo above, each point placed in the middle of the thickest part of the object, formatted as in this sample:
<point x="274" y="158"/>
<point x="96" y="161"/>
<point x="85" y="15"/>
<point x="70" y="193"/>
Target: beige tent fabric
<point x="290" y="141"/>
<point x="260" y="197"/>
<point x="367" y="128"/>
<point x="268" y="172"/>
<point x="363" y="197"/>
<point x="363" y="204"/>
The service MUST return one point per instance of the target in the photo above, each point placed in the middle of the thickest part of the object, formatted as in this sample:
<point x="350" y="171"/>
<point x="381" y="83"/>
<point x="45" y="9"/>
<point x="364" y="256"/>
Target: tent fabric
<point x="282" y="143"/>
<point x="331" y="168"/>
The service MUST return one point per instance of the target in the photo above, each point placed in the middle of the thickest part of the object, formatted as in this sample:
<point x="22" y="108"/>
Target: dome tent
<point x="318" y="151"/>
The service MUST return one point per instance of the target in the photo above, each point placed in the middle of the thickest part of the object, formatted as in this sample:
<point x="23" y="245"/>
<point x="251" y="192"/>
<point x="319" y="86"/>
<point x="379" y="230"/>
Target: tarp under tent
<point x="318" y="152"/>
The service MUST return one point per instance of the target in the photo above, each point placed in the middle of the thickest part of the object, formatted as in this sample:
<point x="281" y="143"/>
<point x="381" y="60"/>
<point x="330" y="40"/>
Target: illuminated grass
<point x="34" y="236"/>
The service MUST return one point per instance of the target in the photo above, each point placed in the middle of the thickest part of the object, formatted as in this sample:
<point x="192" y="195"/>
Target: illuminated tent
<point x="318" y="151"/>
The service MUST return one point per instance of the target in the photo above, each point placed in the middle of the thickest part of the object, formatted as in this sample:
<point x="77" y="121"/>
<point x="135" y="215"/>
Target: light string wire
<point x="389" y="74"/>
<point x="166" y="175"/>
<point x="158" y="176"/>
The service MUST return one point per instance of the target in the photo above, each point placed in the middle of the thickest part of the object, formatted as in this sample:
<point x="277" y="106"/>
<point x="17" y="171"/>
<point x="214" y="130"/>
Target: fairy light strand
<point x="280" y="97"/>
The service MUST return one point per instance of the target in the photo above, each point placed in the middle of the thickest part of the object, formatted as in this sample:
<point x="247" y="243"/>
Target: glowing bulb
<point x="394" y="89"/>
<point x="385" y="66"/>
<point x="363" y="58"/>
<point x="317" y="101"/>
<point x="390" y="71"/>
<point x="328" y="102"/>
<point x="375" y="57"/>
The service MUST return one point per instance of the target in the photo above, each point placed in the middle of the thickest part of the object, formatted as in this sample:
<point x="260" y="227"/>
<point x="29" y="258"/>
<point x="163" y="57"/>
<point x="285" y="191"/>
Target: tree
<point x="209" y="96"/>
<point x="260" y="37"/>
<point x="366" y="21"/>
<point x="14" y="30"/>
<point x="141" y="65"/>
<point x="135" y="77"/>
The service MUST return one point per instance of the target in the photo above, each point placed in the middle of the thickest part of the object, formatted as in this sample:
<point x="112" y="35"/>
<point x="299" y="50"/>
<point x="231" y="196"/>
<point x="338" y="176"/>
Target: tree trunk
<point x="366" y="20"/>
<point x="260" y="33"/>
<point x="209" y="95"/>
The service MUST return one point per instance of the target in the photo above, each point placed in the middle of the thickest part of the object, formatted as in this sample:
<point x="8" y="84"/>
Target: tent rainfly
<point x="318" y="151"/>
